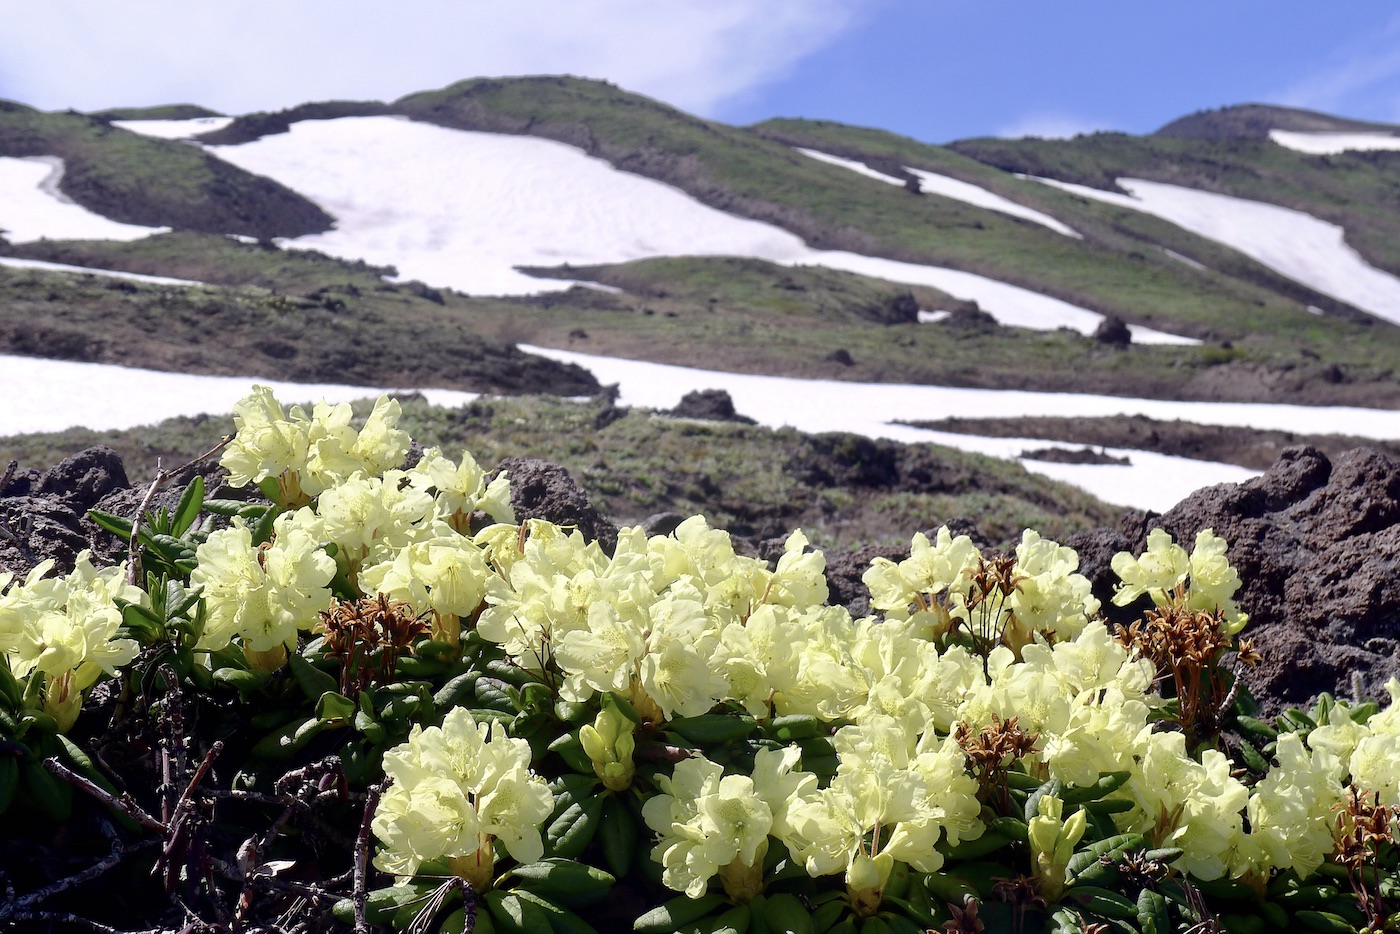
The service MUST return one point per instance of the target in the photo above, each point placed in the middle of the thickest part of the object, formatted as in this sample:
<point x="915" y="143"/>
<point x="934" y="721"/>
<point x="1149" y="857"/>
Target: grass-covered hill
<point x="159" y="183"/>
<point x="1254" y="121"/>
<point x="276" y="312"/>
<point x="1262" y="343"/>
<point x="295" y="316"/>
<point x="1358" y="190"/>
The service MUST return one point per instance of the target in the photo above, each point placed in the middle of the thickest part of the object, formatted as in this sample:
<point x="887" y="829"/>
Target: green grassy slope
<point x="1138" y="236"/>
<point x="830" y="207"/>
<point x="163" y="112"/>
<point x="712" y="312"/>
<point x="1254" y="121"/>
<point x="1358" y="190"/>
<point x="350" y="327"/>
<point x="756" y="482"/>
<point x="155" y="182"/>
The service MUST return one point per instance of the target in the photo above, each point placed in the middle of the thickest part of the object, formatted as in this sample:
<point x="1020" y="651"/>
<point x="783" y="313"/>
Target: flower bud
<point x="609" y="743"/>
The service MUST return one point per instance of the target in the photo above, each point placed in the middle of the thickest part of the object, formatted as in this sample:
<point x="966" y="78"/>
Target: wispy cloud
<point x="268" y="54"/>
<point x="1361" y="70"/>
<point x="1049" y="126"/>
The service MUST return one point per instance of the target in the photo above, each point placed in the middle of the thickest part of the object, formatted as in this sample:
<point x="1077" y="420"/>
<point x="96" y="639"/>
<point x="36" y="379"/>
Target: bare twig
<point x="63" y="917"/>
<point x="162" y="477"/>
<point x="118" y="852"/>
<point x="121" y="803"/>
<point x="362" y="855"/>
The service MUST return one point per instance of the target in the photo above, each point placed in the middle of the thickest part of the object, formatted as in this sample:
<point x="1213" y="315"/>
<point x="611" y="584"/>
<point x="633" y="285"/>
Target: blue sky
<point x="930" y="69"/>
<point x="942" y="70"/>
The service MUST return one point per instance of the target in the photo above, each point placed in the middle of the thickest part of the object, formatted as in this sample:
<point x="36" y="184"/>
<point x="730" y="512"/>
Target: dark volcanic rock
<point x="844" y="573"/>
<point x="1071" y="456"/>
<point x="710" y="404"/>
<point x="1317" y="545"/>
<point x="36" y="528"/>
<point x="900" y="308"/>
<point x="84" y="478"/>
<point x="46" y="517"/>
<point x="541" y="490"/>
<point x="1114" y="332"/>
<point x="970" y="317"/>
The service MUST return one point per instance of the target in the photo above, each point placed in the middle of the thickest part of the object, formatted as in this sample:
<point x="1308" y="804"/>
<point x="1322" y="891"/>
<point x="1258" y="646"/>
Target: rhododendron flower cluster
<point x="625" y="647"/>
<point x="456" y="789"/>
<point x="304" y="456"/>
<point x="65" y="630"/>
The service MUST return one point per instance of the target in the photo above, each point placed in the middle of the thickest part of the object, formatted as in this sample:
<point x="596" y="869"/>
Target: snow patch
<point x="53" y="395"/>
<point x="1295" y="244"/>
<point x="934" y="183"/>
<point x="462" y="209"/>
<point x="980" y="197"/>
<point x="32" y="208"/>
<point x="1150" y="481"/>
<point x="1010" y="304"/>
<point x="855" y="166"/>
<point x="1331" y="144"/>
<point x="1201" y="267"/>
<point x="15" y="262"/>
<point x="174" y="129"/>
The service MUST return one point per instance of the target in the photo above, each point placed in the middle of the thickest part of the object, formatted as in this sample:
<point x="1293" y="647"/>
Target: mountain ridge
<point x="1228" y="325"/>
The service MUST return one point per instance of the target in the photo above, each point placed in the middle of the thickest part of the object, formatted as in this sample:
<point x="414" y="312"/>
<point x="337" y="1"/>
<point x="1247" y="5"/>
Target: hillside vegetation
<point x="159" y="183"/>
<point x="1265" y="343"/>
<point x="303" y="317"/>
<point x="843" y="490"/>
<point x="1358" y="190"/>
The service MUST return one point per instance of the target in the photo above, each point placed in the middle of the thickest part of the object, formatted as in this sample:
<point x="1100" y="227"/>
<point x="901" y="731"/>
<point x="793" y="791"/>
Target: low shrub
<point x="373" y="698"/>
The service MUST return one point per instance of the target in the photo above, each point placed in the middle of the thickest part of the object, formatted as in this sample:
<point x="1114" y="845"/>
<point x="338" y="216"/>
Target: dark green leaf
<point x="285" y="742"/>
<point x="313" y="681"/>
<point x="574" y="827"/>
<point x="334" y="709"/>
<point x="564" y="882"/>
<point x="191" y="501"/>
<point x="619" y="836"/>
<point x="675" y="914"/>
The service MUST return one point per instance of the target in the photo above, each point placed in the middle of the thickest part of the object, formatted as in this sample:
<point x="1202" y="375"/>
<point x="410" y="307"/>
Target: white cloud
<point x="269" y="54"/>
<point x="1355" y="71"/>
<point x="1048" y="126"/>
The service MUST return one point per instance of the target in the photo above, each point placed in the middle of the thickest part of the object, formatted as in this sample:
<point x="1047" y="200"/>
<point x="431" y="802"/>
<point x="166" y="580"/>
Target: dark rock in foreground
<point x="541" y="490"/>
<point x="1317" y="545"/>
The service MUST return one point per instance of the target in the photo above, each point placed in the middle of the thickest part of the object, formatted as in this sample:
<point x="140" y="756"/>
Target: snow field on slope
<point x="1331" y="144"/>
<point x="860" y="168"/>
<point x="1149" y="481"/>
<point x="174" y="129"/>
<point x="15" y="262"/>
<point x="1295" y="244"/>
<point x="32" y="208"/>
<point x="934" y="183"/>
<point x="462" y="209"/>
<point x="54" y="395"/>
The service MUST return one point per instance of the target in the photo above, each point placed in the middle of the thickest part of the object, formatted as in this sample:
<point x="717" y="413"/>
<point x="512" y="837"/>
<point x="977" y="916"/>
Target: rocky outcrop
<point x="541" y="490"/>
<point x="714" y="405"/>
<point x="1317" y="545"/>
<point x="44" y="516"/>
